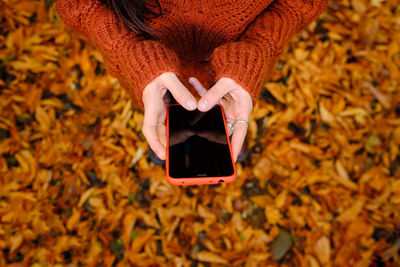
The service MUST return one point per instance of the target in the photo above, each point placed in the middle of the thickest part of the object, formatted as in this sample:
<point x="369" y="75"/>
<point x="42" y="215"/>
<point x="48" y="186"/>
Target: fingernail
<point x="191" y="104"/>
<point x="203" y="104"/>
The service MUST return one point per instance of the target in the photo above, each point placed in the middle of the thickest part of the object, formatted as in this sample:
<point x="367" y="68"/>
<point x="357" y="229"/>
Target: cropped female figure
<point x="222" y="50"/>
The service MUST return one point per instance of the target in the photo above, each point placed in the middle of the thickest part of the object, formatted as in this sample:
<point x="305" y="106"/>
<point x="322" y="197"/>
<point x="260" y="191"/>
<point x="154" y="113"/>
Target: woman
<point x="223" y="49"/>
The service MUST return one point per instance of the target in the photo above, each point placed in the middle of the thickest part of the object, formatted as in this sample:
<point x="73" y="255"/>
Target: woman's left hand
<point x="237" y="104"/>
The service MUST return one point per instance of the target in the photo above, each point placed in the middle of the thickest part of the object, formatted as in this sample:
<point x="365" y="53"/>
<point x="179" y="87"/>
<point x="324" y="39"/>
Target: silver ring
<point x="229" y="124"/>
<point x="160" y="124"/>
<point x="242" y="121"/>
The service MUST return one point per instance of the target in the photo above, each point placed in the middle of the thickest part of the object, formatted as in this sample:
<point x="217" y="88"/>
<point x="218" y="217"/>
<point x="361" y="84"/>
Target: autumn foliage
<point x="321" y="186"/>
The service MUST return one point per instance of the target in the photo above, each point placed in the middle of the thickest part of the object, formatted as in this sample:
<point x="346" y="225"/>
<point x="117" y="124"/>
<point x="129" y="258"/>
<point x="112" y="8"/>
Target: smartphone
<point x="198" y="147"/>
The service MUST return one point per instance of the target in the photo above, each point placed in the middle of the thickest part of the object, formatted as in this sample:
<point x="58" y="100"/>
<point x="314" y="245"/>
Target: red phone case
<point x="199" y="180"/>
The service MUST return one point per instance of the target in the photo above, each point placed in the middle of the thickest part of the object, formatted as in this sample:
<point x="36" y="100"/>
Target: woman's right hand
<point x="155" y="103"/>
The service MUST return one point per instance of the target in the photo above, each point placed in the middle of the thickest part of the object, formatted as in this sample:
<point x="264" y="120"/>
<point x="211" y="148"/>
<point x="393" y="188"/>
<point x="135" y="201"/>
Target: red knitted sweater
<point x="207" y="39"/>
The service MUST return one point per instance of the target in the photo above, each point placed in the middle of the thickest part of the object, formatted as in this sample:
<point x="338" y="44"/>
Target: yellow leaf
<point x="85" y="196"/>
<point x="96" y="202"/>
<point x="326" y="116"/>
<point x="281" y="199"/>
<point x="276" y="91"/>
<point x="396" y="135"/>
<point x="16" y="241"/>
<point x="301" y="54"/>
<point x="140" y="240"/>
<point x="210" y="257"/>
<point x="74" y="219"/>
<point x="351" y="213"/>
<point x="23" y="195"/>
<point x="354" y="112"/>
<point x="358" y="6"/>
<point x="273" y="215"/>
<point x="312" y="262"/>
<point x="341" y="170"/>
<point x="43" y="118"/>
<point x="322" y="249"/>
<point x="343" y="177"/>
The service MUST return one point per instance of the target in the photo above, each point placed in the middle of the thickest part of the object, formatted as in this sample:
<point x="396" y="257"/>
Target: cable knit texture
<point x="207" y="39"/>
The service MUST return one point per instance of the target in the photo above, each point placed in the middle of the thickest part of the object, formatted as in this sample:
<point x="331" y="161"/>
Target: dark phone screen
<point x="198" y="146"/>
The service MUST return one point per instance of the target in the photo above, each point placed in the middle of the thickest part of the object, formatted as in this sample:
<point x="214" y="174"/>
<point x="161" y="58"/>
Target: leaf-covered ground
<point x="321" y="186"/>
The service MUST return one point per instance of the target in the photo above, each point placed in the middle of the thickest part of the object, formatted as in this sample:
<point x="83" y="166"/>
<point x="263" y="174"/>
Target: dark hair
<point x="133" y="13"/>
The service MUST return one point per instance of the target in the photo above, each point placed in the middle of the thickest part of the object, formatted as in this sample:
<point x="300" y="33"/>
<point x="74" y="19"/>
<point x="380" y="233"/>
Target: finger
<point x="161" y="133"/>
<point x="198" y="86"/>
<point x="150" y="132"/>
<point x="180" y="92"/>
<point x="152" y="138"/>
<point x="214" y="95"/>
<point x="238" y="136"/>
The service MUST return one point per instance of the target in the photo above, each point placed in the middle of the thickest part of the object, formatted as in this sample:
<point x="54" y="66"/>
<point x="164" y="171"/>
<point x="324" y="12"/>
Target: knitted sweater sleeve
<point x="134" y="60"/>
<point x="250" y="60"/>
